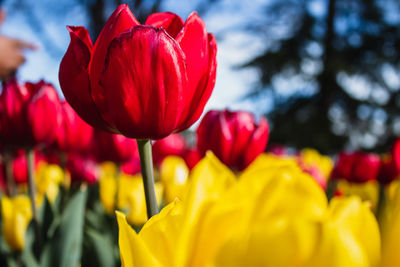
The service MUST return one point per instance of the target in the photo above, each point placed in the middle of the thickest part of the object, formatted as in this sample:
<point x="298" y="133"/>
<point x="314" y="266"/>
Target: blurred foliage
<point x="332" y="70"/>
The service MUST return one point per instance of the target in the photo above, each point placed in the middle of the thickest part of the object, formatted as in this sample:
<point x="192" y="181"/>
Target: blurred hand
<point x="11" y="53"/>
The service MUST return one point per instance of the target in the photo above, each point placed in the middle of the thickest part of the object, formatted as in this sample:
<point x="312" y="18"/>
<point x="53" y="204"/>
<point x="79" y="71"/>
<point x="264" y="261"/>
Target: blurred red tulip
<point x="75" y="134"/>
<point x="113" y="147"/>
<point x="30" y="113"/>
<point x="173" y="144"/>
<point x="388" y="170"/>
<point x="131" y="166"/>
<point x="3" y="186"/>
<point x="357" y="167"/>
<point x="82" y="168"/>
<point x="234" y="137"/>
<point x="390" y="165"/>
<point x="192" y="157"/>
<point x="20" y="165"/>
<point x="278" y="150"/>
<point x="143" y="81"/>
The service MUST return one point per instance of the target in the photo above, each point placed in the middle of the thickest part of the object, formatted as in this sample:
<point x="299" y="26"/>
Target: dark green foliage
<point x="350" y="38"/>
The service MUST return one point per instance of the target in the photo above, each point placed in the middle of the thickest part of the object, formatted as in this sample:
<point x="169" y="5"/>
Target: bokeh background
<point x="324" y="72"/>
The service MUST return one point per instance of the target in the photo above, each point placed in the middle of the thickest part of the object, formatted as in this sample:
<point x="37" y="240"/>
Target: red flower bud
<point x="82" y="168"/>
<point x="113" y="147"/>
<point x="173" y="144"/>
<point x="131" y="166"/>
<point x="30" y="113"/>
<point x="75" y="134"/>
<point x="20" y="165"/>
<point x="357" y="167"/>
<point x="390" y="165"/>
<point x="143" y="81"/>
<point x="234" y="137"/>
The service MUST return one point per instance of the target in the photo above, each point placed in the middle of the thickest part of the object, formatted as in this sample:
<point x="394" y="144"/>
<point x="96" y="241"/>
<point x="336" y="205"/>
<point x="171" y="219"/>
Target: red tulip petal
<point x="214" y="134"/>
<point x="120" y="20"/>
<point x="243" y="130"/>
<point x="204" y="88"/>
<point x="74" y="78"/>
<point x="257" y="143"/>
<point x="396" y="153"/>
<point x="144" y="79"/>
<point x="171" y="22"/>
<point x="194" y="42"/>
<point x="44" y="115"/>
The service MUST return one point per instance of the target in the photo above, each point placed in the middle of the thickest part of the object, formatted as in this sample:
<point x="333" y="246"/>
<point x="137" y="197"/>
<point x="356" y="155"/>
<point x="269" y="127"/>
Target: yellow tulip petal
<point x="391" y="234"/>
<point x="131" y="197"/>
<point x="337" y="248"/>
<point x="16" y="215"/>
<point x="355" y="215"/>
<point x="174" y="175"/>
<point x="208" y="180"/>
<point x="277" y="242"/>
<point x="368" y="191"/>
<point x="107" y="190"/>
<point x="161" y="231"/>
<point x="133" y="251"/>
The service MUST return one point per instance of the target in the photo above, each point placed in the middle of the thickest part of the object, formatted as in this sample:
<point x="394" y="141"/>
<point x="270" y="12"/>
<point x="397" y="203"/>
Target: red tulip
<point x="30" y="113"/>
<point x="344" y="166"/>
<point x="357" y="167"/>
<point x="131" y="166"/>
<point x="395" y="152"/>
<point x="75" y="134"/>
<point x="173" y="144"/>
<point x="390" y="165"/>
<point x="278" y="150"/>
<point x="234" y="137"/>
<point x="20" y="165"/>
<point x="388" y="170"/>
<point x="192" y="157"/>
<point x="143" y="81"/>
<point x="82" y="168"/>
<point x="113" y="147"/>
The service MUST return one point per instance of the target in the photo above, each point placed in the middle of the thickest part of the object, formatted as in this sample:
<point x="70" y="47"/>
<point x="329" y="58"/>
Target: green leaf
<point x="65" y="247"/>
<point x="100" y="250"/>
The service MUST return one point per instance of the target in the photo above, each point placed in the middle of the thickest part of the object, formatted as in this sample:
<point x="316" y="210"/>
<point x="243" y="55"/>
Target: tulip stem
<point x="11" y="189"/>
<point x="381" y="202"/>
<point x="146" y="164"/>
<point x="331" y="188"/>
<point x="32" y="194"/>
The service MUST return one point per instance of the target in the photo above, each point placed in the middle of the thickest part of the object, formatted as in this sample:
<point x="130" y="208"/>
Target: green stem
<point x="32" y="194"/>
<point x="331" y="188"/>
<point x="381" y="202"/>
<point x="62" y="156"/>
<point x="146" y="164"/>
<point x="11" y="188"/>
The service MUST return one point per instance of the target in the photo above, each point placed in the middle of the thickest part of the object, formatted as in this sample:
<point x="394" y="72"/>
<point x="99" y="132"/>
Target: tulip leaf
<point x="46" y="218"/>
<point x="99" y="250"/>
<point x="65" y="247"/>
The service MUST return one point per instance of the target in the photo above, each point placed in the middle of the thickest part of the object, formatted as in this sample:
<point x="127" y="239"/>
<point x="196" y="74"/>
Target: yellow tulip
<point x="368" y="191"/>
<point x="349" y="235"/>
<point x="174" y="174"/>
<point x="129" y="193"/>
<point x="132" y="199"/>
<point x="15" y="214"/>
<point x="48" y="178"/>
<point x="391" y="232"/>
<point x="311" y="157"/>
<point x="273" y="215"/>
